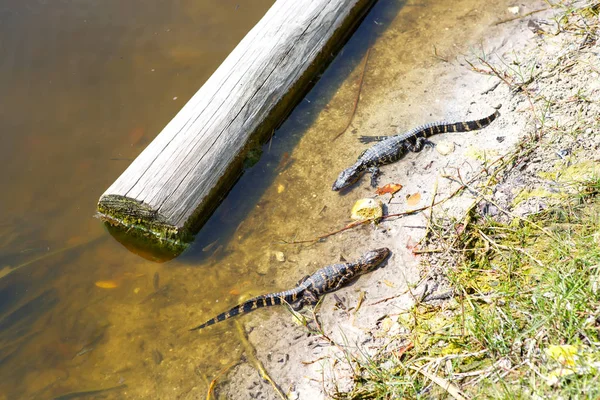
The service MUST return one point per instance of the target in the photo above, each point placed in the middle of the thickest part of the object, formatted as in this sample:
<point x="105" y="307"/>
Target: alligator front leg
<point x="371" y="139"/>
<point x="374" y="175"/>
<point x="343" y="281"/>
<point x="301" y="281"/>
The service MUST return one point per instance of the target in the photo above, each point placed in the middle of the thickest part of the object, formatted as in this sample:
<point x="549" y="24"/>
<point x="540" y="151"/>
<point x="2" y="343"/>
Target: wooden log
<point x="173" y="186"/>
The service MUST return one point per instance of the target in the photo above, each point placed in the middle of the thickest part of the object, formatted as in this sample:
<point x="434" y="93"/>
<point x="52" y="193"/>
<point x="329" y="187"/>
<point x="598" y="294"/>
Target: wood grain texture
<point x="178" y="180"/>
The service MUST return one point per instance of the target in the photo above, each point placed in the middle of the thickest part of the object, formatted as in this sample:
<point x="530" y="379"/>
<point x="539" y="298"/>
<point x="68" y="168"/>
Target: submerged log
<point x="173" y="186"/>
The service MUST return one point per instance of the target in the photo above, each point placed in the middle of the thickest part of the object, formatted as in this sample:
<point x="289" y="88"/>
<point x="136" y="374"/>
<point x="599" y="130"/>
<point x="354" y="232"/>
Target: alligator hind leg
<point x="420" y="142"/>
<point x="310" y="298"/>
<point x="374" y="175"/>
<point x="297" y="306"/>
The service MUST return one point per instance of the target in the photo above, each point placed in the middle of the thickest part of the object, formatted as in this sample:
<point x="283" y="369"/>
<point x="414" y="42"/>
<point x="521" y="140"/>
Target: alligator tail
<point x="434" y="128"/>
<point x="267" y="300"/>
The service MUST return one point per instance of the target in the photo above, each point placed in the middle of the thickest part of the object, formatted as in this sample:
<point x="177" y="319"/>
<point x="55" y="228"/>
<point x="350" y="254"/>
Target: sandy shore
<point x="416" y="74"/>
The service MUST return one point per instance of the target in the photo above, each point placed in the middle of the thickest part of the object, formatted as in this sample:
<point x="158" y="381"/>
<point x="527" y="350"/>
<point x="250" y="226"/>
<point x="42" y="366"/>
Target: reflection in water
<point x="86" y="85"/>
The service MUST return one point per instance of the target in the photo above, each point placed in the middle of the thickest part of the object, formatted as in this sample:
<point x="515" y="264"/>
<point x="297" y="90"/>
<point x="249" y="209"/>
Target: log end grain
<point x="141" y="229"/>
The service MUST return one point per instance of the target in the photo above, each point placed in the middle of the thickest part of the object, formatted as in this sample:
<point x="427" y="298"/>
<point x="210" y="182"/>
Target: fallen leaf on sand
<point x="400" y="352"/>
<point x="413" y="199"/>
<point x="365" y="209"/>
<point x="389" y="283"/>
<point x="390" y="188"/>
<point x="234" y="292"/>
<point x="107" y="284"/>
<point x="411" y="244"/>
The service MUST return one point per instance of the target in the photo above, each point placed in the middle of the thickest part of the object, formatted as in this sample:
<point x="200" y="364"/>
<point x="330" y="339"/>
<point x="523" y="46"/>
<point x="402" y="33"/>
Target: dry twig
<point x="520" y="16"/>
<point x="452" y="390"/>
<point x="251" y="356"/>
<point x="360" y="85"/>
<point x="223" y="371"/>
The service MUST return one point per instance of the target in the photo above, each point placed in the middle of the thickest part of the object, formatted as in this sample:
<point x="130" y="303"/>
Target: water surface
<point x="85" y="86"/>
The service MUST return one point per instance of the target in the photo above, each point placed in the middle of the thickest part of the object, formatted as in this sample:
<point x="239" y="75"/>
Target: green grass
<point x="523" y="288"/>
<point x="524" y="322"/>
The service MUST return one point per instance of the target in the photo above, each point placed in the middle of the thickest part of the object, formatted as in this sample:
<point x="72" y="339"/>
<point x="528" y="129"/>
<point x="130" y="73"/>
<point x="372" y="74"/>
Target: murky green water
<point x="85" y="86"/>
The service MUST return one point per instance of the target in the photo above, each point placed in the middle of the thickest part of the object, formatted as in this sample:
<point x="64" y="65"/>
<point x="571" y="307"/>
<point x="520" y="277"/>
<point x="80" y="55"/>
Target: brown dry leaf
<point x="390" y="188"/>
<point x="234" y="292"/>
<point x="460" y="228"/>
<point x="413" y="199"/>
<point x="411" y="244"/>
<point x="107" y="284"/>
<point x="400" y="352"/>
<point x="136" y="135"/>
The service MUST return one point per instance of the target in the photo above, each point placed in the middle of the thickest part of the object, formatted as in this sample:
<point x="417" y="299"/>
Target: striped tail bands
<point x="246" y="307"/>
<point x="460" y="126"/>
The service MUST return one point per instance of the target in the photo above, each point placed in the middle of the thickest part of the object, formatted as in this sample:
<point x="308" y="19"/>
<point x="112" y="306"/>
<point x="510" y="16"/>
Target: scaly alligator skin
<point x="391" y="148"/>
<point x="310" y="288"/>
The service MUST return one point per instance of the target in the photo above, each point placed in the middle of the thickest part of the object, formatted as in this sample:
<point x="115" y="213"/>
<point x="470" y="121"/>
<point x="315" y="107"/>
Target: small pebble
<point x="445" y="148"/>
<point x="280" y="188"/>
<point x="279" y="256"/>
<point x="513" y="10"/>
<point x="263" y="268"/>
<point x="157" y="356"/>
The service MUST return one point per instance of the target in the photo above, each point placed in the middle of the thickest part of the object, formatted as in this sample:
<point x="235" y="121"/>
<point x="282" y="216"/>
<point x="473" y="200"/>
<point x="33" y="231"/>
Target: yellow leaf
<point x="554" y="376"/>
<point x="565" y="354"/>
<point x="107" y="284"/>
<point x="365" y="209"/>
<point x="413" y="199"/>
<point x="389" y="283"/>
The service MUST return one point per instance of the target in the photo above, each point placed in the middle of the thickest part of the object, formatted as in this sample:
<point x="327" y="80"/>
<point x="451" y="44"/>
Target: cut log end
<point x="142" y="229"/>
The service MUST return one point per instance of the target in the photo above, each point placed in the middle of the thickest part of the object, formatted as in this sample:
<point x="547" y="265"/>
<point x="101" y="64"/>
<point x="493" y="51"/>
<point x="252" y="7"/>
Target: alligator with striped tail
<point x="390" y="149"/>
<point x="310" y="288"/>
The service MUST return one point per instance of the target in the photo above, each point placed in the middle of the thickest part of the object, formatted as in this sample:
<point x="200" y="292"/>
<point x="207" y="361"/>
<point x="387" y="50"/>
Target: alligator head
<point x="349" y="176"/>
<point x="375" y="257"/>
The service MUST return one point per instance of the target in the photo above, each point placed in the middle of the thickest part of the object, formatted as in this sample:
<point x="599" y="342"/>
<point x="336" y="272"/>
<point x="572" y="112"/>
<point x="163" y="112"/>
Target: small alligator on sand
<point x="391" y="148"/>
<point x="310" y="288"/>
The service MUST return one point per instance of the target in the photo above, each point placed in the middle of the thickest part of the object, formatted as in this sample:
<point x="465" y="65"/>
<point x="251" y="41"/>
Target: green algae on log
<point x="169" y="191"/>
<point x="141" y="229"/>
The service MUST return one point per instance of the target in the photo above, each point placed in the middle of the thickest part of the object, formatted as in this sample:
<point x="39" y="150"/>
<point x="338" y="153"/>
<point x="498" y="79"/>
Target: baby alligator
<point x="391" y="148"/>
<point x="310" y="288"/>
